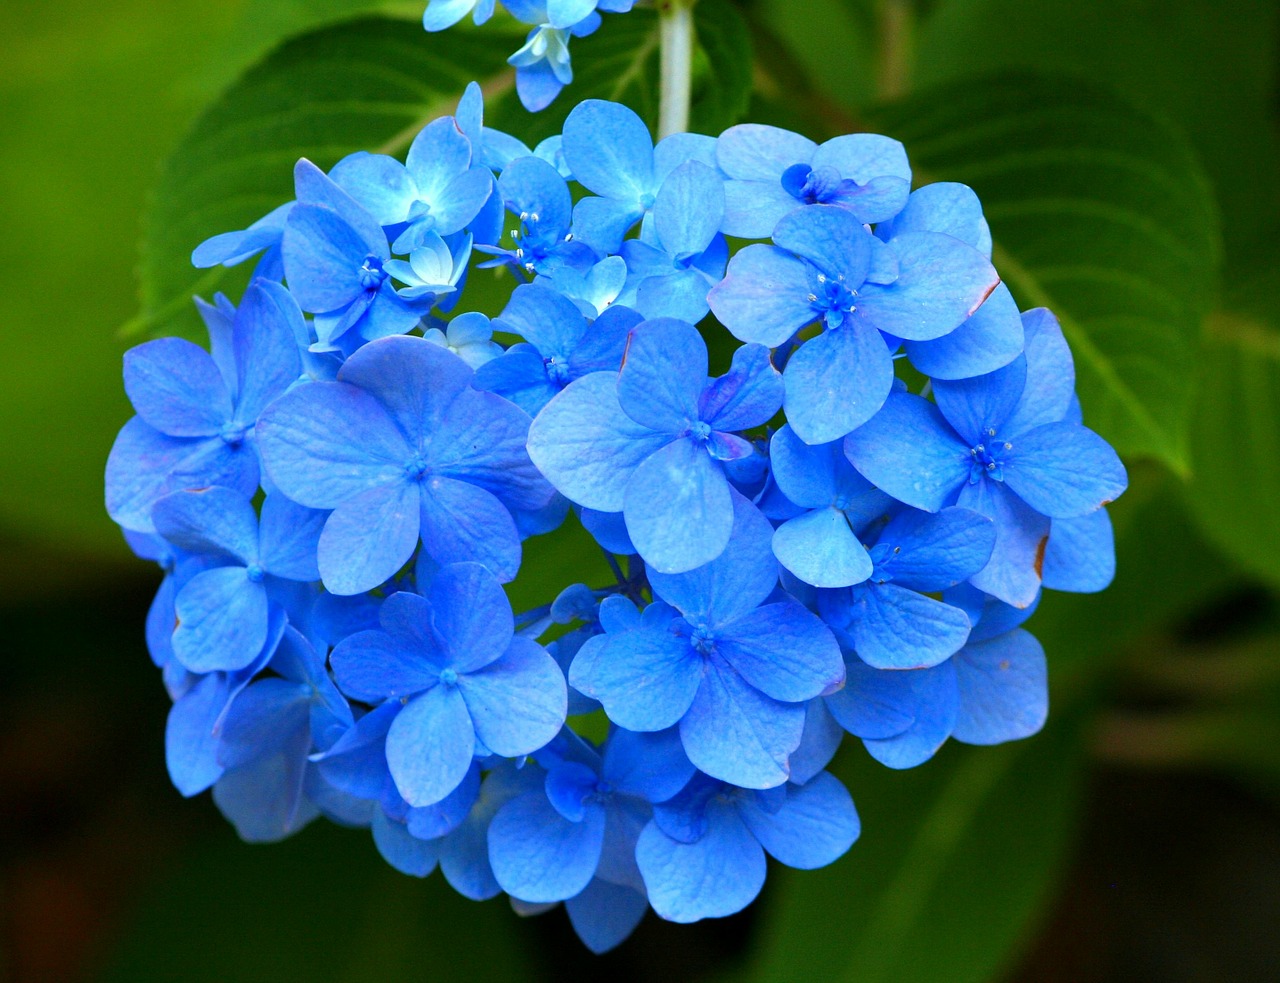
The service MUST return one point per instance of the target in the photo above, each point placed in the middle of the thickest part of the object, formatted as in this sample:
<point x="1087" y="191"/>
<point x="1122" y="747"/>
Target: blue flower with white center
<point x="1000" y="445"/>
<point x="992" y="336"/>
<point x="222" y="613"/>
<point x="893" y="621"/>
<point x="335" y="254"/>
<point x="267" y="736"/>
<point x="712" y="655"/>
<point x="993" y="690"/>
<point x="437" y="190"/>
<point x="772" y="171"/>
<point x="470" y="337"/>
<point x="433" y="271"/>
<point x="470" y="686"/>
<point x="197" y="409"/>
<point x="233" y="248"/>
<point x="703" y="854"/>
<point x="399" y="447"/>
<point x="650" y="441"/>
<point x="596" y="289"/>
<point x="680" y="254"/>
<point x="536" y="193"/>
<point x="560" y="346"/>
<point x="550" y="843"/>
<point x="821" y="544"/>
<point x="826" y="267"/>
<point x="611" y="154"/>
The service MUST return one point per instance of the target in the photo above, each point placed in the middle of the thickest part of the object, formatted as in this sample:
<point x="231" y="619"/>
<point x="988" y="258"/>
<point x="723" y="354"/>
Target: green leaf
<point x="1099" y="212"/>
<point x="620" y="63"/>
<point x="369" y="84"/>
<point x="956" y="859"/>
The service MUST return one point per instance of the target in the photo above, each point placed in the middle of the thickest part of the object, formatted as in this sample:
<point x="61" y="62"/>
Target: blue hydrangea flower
<point x="197" y="409"/>
<point x="827" y="267"/>
<point x="549" y="844"/>
<point x="611" y="154"/>
<point x="559" y="346"/>
<point x="772" y="171"/>
<point x="680" y="254"/>
<point x="536" y="193"/>
<point x="433" y="272"/>
<point x="997" y="444"/>
<point x="893" y="621"/>
<point x="468" y="684"/>
<point x="820" y="542"/>
<point x="222" y="612"/>
<point x="703" y="854"/>
<point x="649" y="441"/>
<point x="233" y="248"/>
<point x="469" y="336"/>
<point x="712" y="655"/>
<point x="402" y="446"/>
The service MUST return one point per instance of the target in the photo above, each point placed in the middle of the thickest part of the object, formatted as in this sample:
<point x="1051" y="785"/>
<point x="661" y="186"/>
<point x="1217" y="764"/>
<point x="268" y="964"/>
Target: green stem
<point x="897" y="32"/>
<point x="675" y="23"/>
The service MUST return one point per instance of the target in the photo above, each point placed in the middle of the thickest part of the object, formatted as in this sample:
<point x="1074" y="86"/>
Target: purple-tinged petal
<point x="746" y="396"/>
<point x="837" y="381"/>
<point x="290" y="538"/>
<point x="678" y="508"/>
<point x="1081" y="555"/>
<point x="538" y="855"/>
<point x="430" y="745"/>
<point x="646" y="678"/>
<point x="368" y="537"/>
<point x="715" y="876"/>
<point x="176" y="388"/>
<point x="663" y="374"/>
<point x="216" y="521"/>
<point x="587" y="446"/>
<point x="517" y="702"/>
<point x="910" y="451"/>
<point x="1004" y="689"/>
<point x="416" y="381"/>
<point x="941" y="282"/>
<point x="1064" y="470"/>
<point x="222" y="620"/>
<point x="472" y="615"/>
<point x="815" y="825"/>
<point x="735" y="733"/>
<point x="764" y="296"/>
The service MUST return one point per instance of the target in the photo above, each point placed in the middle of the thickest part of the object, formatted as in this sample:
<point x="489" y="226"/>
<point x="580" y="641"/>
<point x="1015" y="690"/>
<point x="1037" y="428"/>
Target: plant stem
<point x="897" y="34"/>
<point x="675" y="25"/>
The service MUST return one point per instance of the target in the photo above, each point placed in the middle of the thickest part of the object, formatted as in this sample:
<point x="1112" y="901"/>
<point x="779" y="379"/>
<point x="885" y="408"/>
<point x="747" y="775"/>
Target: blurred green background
<point x="1136" y="839"/>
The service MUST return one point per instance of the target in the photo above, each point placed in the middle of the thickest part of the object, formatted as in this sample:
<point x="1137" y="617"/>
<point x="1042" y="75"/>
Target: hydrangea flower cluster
<point x="542" y="63"/>
<point x="838" y="529"/>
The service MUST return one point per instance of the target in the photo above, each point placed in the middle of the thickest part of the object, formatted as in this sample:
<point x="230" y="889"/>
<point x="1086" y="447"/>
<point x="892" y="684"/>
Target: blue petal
<point x="379" y="183"/>
<point x="265" y="801"/>
<point x="910" y="451"/>
<point x="216" y="521"/>
<point x="1049" y="393"/>
<point x="943" y="206"/>
<point x="538" y="855"/>
<point x="430" y="745"/>
<point x="1004" y="689"/>
<point x="368" y="537"/>
<point x="519" y="376"/>
<point x="735" y="733"/>
<point x="764" y="296"/>
<point x="746" y="396"/>
<point x="290" y="537"/>
<point x="821" y="549"/>
<point x="652" y="766"/>
<point x="756" y="152"/>
<point x="441" y="14"/>
<point x="567" y="13"/>
<point x="815" y="825"/>
<point x="874" y="703"/>
<point x="538" y="84"/>
<point x="472" y="615"/>
<point x="602" y="222"/>
<point x="605" y="914"/>
<point x="663" y="374"/>
<point x="438" y="154"/>
<point x="736" y="582"/>
<point x="688" y="209"/>
<point x="717" y="875"/>
<point x="646" y="678"/>
<point x="818" y="744"/>
<point x="518" y="702"/>
<point x="1013" y="573"/>
<point x="544" y="318"/>
<point x="190" y="744"/>
<point x="326" y="442"/>
<point x="587" y="446"/>
<point x="265" y="338"/>
<point x="678" y="508"/>
<point x="938" y="551"/>
<point x="462" y="522"/>
<point x="1081" y="555"/>
<point x="864" y="156"/>
<point x="609" y="150"/>
<point x="936" y="699"/>
<point x="391" y="664"/>
<point x="1064" y="470"/>
<point x="837" y="381"/>
<point x="404" y="852"/>
<point x="176" y="388"/>
<point x="991" y="338"/>
<point x="323" y="256"/>
<point x="831" y="238"/>
<point x="900" y="629"/>
<point x="609" y="529"/>
<point x="812" y="476"/>
<point x="782" y="650"/>
<point x="681" y="294"/>
<point x="941" y="282"/>
<point x="975" y="407"/>
<point x="431" y="822"/>
<point x="222" y="620"/>
<point x="753" y="209"/>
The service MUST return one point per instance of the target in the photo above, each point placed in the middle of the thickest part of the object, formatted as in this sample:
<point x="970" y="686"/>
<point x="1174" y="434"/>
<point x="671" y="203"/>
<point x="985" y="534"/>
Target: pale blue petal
<point x="290" y="538"/>
<point x="943" y="206"/>
<point x="863" y="156"/>
<point x="323" y="256"/>
<point x="1081" y="555"/>
<point x="663" y="374"/>
<point x="764" y="296"/>
<point x="1049" y="393"/>
<point x="609" y="150"/>
<point x="602" y="222"/>
<point x="753" y="209"/>
<point x="991" y="338"/>
<point x="821" y="549"/>
<point x="176" y="388"/>
<point x="681" y="294"/>
<point x="1004" y="689"/>
<point x="831" y="238"/>
<point x="461" y="522"/>
<point x="373" y="666"/>
<point x="678" y="508"/>
<point x="900" y="629"/>
<point x="1013" y="573"/>
<point x="437" y="155"/>
<point x="368" y="537"/>
<point x="688" y="210"/>
<point x="517" y="702"/>
<point x="756" y="152"/>
<point x="646" y="678"/>
<point x="815" y="825"/>
<point x="430" y="745"/>
<point x="837" y="381"/>
<point x="746" y="396"/>
<point x="222" y="620"/>
<point x="910" y="451"/>
<point x="782" y="650"/>
<point x="472" y="615"/>
<point x="1064" y="470"/>
<point x="379" y="183"/>
<point x="216" y="521"/>
<point x="538" y="855"/>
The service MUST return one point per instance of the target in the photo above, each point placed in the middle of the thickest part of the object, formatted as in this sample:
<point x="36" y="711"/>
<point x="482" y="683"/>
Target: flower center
<point x="700" y="430"/>
<point x="557" y="371"/>
<point x="703" y="640"/>
<point x="371" y="273"/>
<point x="416" y="469"/>
<point x="233" y="434"/>
<point x="987" y="458"/>
<point x="449" y="677"/>
<point x="812" y="185"/>
<point x="254" y="573"/>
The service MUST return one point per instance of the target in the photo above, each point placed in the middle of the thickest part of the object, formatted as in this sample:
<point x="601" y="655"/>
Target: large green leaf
<point x="1100" y="212"/>
<point x="955" y="860"/>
